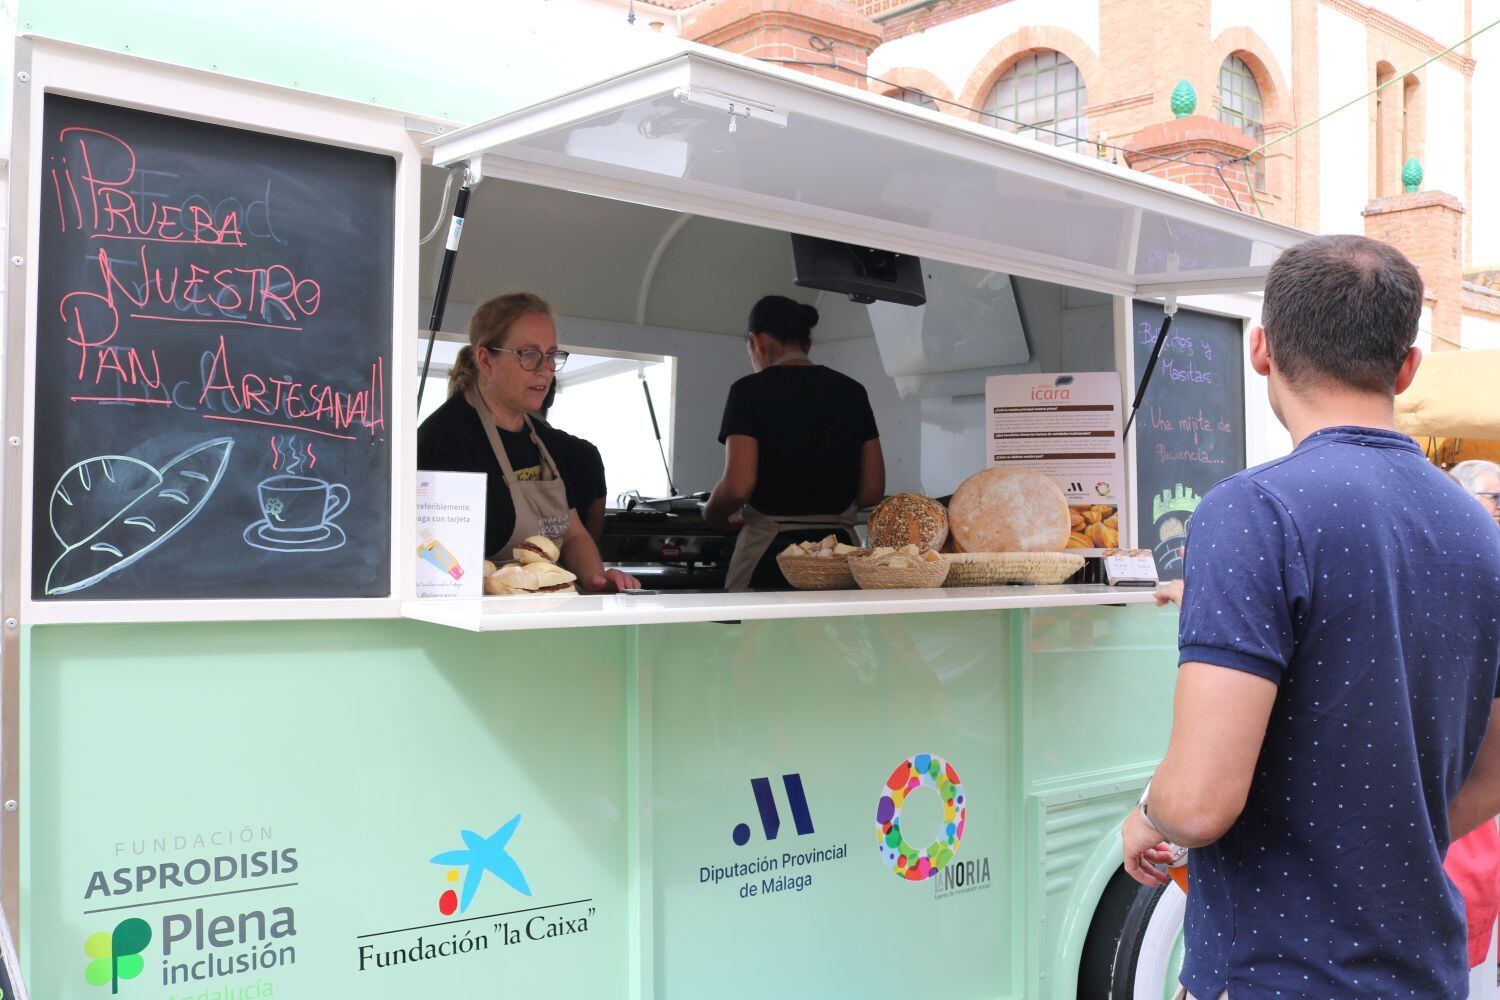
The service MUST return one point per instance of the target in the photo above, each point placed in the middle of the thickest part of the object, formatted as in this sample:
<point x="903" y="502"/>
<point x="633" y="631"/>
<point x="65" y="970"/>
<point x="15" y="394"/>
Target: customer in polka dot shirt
<point x="1340" y="656"/>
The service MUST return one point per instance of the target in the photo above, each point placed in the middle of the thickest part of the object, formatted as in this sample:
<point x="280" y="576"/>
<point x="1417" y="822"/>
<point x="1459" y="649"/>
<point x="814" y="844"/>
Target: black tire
<point x="1107" y="969"/>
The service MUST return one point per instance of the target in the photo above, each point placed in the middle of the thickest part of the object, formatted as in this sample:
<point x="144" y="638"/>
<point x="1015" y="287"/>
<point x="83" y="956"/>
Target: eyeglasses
<point x="1493" y="498"/>
<point x="530" y="359"/>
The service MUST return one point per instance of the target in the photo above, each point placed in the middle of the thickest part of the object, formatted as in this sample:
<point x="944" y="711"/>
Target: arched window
<point x="917" y="97"/>
<point x="1042" y="95"/>
<point x="1240" y="105"/>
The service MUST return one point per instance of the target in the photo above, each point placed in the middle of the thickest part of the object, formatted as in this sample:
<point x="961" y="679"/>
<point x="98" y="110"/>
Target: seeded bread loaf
<point x="908" y="519"/>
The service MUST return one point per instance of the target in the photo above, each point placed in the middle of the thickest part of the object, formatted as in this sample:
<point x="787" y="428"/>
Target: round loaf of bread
<point x="1009" y="510"/>
<point x="908" y="519"/>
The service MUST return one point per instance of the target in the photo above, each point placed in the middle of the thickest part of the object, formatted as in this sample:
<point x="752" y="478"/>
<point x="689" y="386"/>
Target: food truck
<point x="243" y="759"/>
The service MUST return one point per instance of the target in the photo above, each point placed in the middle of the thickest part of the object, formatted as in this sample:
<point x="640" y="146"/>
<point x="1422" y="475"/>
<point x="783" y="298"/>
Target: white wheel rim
<point x="1160" y="959"/>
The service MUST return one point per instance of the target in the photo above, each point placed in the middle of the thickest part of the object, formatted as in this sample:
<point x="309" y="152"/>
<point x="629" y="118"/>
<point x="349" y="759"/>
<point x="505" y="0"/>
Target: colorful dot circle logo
<point x="914" y="864"/>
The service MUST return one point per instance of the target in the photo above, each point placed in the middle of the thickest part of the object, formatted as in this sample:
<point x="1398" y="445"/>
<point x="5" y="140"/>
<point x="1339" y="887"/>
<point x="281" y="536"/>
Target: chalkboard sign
<point x="213" y="329"/>
<point x="1190" y="431"/>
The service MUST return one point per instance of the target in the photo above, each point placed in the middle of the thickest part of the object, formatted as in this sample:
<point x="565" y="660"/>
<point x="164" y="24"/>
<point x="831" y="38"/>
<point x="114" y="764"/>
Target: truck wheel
<point x="1134" y="947"/>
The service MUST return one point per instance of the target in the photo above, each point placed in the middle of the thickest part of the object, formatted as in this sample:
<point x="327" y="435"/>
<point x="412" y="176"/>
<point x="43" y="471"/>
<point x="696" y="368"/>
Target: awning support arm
<point x="472" y="176"/>
<point x="1169" y="309"/>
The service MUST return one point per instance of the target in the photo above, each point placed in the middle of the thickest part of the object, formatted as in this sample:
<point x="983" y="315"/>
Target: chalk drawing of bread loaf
<point x="112" y="510"/>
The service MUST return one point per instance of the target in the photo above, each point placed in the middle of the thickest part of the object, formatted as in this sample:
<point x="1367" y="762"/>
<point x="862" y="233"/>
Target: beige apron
<point x="760" y="530"/>
<point x="541" y="504"/>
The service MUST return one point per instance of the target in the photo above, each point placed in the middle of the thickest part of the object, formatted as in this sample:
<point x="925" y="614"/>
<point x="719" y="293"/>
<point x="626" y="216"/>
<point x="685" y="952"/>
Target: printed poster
<point x="450" y="534"/>
<point x="1067" y="427"/>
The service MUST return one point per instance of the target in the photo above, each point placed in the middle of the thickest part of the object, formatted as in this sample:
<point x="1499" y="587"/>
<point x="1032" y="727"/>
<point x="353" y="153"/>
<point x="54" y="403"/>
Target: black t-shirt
<point x="810" y="424"/>
<point x="585" y="458"/>
<point x="453" y="440"/>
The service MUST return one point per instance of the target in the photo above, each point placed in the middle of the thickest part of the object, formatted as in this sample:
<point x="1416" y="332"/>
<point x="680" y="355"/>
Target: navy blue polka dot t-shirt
<point x="1366" y="584"/>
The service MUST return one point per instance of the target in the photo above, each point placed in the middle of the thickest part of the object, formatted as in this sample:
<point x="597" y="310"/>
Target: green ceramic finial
<point x="1184" y="99"/>
<point x="1411" y="175"/>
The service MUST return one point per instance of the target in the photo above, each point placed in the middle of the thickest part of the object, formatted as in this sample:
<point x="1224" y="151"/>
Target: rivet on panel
<point x="11" y="805"/>
<point x="23" y="76"/>
<point x="10" y="623"/>
<point x="17" y="261"/>
<point x="15" y="442"/>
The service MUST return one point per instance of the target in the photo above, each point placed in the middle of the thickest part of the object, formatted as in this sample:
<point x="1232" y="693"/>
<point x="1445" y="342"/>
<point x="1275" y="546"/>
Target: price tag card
<point x="1130" y="568"/>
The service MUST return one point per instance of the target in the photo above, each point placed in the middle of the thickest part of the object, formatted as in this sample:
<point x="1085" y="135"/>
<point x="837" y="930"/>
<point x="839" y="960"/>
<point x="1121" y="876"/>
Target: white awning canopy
<point x="718" y="135"/>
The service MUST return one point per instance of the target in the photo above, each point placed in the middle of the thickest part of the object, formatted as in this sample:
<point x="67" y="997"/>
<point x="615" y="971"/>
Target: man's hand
<point x="1143" y="849"/>
<point x="1169" y="593"/>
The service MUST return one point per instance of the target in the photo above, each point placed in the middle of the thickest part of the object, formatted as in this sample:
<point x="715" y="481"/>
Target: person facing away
<point x="801" y="451"/>
<point x="1340" y="648"/>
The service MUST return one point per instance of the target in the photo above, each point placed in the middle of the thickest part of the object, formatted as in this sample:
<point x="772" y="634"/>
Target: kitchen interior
<point x="659" y="298"/>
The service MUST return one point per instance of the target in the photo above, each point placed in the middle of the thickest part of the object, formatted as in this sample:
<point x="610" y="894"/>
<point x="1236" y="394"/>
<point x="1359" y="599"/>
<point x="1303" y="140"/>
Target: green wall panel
<point x="839" y="703"/>
<point x="1101" y="688"/>
<point x="363" y="748"/>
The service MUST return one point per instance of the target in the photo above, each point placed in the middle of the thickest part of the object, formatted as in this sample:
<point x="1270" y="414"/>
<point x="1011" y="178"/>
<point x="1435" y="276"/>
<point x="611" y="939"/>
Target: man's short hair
<point x="1341" y="310"/>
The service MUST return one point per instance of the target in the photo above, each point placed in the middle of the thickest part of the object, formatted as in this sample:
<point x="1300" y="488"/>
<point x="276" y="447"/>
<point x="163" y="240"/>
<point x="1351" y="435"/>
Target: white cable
<point x="442" y="212"/>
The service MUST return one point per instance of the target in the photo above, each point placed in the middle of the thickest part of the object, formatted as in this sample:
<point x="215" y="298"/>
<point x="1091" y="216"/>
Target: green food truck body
<point x="237" y="767"/>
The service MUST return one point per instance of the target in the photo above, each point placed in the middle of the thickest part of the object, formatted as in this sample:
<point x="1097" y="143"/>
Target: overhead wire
<point x="1244" y="159"/>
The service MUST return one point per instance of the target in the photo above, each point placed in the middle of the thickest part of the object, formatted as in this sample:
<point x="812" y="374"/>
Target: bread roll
<point x="536" y="549"/>
<point x="1009" y="510"/>
<point x="908" y="519"/>
<point x="551" y="578"/>
<point x="510" y="580"/>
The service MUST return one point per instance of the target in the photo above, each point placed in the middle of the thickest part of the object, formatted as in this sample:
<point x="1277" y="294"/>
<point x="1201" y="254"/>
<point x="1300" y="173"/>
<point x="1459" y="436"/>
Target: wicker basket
<point x="871" y="576"/>
<point x="816" y="573"/>
<point x="989" y="569"/>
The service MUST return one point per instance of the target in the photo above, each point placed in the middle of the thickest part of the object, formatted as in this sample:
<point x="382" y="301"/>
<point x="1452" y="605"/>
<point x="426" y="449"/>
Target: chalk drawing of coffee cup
<point x="299" y="512"/>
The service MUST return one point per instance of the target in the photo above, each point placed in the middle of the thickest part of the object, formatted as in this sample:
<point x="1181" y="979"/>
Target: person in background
<point x="1473" y="862"/>
<point x="801" y="451"/>
<point x="499" y="380"/>
<point x="1340" y="657"/>
<point x="1482" y="479"/>
<point x="585" y="458"/>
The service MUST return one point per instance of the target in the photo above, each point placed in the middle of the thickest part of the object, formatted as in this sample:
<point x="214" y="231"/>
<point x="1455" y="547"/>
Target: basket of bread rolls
<point x="822" y="565"/>
<point x="1009" y="525"/>
<point x="906" y="568"/>
<point x="533" y="572"/>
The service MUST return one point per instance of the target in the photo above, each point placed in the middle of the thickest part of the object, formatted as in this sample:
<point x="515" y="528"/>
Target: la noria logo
<point x="907" y="861"/>
<point x="116" y="954"/>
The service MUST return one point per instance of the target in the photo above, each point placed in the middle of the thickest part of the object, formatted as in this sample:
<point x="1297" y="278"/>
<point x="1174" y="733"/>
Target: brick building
<point x="1209" y="93"/>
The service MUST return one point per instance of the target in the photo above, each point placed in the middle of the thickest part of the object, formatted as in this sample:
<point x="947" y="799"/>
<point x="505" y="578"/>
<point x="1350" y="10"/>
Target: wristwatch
<point x="1146" y="816"/>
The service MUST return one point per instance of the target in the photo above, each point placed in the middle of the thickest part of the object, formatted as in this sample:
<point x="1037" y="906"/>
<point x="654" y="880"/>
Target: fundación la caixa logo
<point x="480" y="855"/>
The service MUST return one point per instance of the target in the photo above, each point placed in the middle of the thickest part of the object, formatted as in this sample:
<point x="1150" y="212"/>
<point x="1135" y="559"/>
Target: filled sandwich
<point x="533" y="578"/>
<point x="536" y="549"/>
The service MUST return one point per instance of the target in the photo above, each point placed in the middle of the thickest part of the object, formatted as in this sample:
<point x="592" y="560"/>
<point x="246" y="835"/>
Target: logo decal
<point x="117" y="955"/>
<point x="905" y="861"/>
<point x="480" y="855"/>
<point x="770" y="819"/>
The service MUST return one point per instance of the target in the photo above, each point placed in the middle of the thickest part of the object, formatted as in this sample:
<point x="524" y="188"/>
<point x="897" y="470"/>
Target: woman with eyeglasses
<point x="1482" y="479"/>
<point x="801" y="451"/>
<point x="499" y="380"/>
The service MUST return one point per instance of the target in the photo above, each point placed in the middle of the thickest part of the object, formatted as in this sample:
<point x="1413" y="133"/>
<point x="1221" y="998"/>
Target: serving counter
<point x="505" y="614"/>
